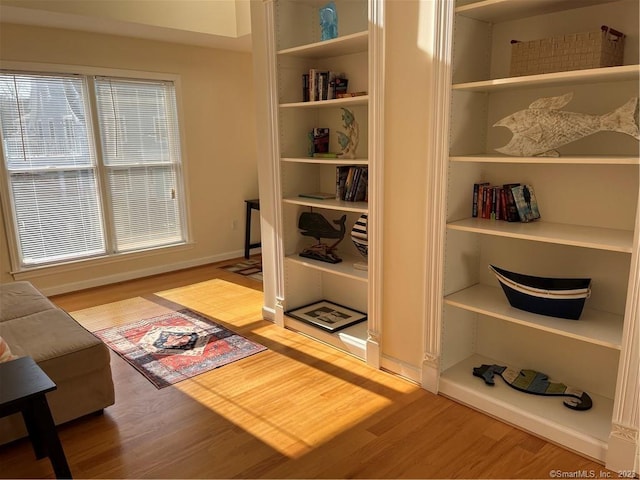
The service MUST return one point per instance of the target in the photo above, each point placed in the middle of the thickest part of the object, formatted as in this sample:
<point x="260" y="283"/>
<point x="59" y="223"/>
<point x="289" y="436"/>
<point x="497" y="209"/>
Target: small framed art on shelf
<point x="327" y="315"/>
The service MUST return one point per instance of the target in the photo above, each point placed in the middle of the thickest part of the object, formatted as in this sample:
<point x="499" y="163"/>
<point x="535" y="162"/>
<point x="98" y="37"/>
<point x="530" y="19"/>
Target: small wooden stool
<point x="251" y="205"/>
<point x="24" y="386"/>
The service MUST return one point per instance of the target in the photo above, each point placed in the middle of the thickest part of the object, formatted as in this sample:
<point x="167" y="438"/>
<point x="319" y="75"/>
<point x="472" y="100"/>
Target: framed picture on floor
<point x="327" y="315"/>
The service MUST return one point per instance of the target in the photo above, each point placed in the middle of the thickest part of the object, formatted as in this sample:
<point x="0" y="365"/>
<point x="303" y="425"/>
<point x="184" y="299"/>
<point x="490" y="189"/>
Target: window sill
<point x="28" y="273"/>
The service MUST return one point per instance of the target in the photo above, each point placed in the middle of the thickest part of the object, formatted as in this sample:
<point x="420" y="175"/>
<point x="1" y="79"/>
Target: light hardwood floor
<point x="299" y="410"/>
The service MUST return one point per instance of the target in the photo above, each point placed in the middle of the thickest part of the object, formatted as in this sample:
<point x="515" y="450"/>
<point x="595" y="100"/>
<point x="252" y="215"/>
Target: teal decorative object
<point x="329" y="21"/>
<point x="349" y="140"/>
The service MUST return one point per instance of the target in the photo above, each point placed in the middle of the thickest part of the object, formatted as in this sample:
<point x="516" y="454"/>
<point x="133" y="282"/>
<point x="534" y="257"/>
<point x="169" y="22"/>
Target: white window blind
<point x="141" y="152"/>
<point x="50" y="163"/>
<point x="54" y="172"/>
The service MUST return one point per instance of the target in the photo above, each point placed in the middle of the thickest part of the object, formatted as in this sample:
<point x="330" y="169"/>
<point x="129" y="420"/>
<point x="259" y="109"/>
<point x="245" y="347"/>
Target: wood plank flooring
<point x="299" y="410"/>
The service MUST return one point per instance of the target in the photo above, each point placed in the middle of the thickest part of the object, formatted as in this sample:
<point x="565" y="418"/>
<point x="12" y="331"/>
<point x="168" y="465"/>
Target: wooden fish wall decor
<point x="543" y="127"/>
<point x="536" y="383"/>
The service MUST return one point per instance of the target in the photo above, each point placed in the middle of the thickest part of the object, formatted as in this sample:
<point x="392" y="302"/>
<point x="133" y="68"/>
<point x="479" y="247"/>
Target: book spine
<point x="494" y="203"/>
<point x="312" y="85"/>
<point x="474" y="200"/>
<point x="486" y="203"/>
<point x="503" y="204"/>
<point x="357" y="174"/>
<point x="324" y="81"/>
<point x="349" y="182"/>
<point x="341" y="181"/>
<point x="331" y="89"/>
<point x="512" y="211"/>
<point x="305" y="87"/>
<point x="361" y="190"/>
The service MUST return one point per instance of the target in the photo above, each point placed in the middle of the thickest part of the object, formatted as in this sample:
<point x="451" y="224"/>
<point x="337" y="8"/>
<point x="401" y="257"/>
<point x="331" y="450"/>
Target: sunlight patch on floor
<point x="331" y="394"/>
<point x="292" y="422"/>
<point x="319" y="391"/>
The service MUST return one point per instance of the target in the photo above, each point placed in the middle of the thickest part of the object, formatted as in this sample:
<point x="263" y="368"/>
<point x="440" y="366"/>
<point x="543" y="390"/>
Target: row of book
<point x="323" y="85"/>
<point x="351" y="185"/>
<point x="511" y="202"/>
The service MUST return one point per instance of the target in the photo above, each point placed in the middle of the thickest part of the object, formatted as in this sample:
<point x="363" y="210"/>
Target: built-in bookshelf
<point x="298" y="51"/>
<point x="589" y="204"/>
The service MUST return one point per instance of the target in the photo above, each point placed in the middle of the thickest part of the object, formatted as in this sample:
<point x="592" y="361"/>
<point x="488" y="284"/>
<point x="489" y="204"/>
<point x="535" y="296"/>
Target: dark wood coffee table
<point x="23" y="388"/>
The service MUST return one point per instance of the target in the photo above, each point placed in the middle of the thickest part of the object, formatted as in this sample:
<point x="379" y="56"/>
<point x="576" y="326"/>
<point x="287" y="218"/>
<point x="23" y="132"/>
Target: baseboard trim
<point x="400" y="368"/>
<point x="134" y="274"/>
<point x="269" y="313"/>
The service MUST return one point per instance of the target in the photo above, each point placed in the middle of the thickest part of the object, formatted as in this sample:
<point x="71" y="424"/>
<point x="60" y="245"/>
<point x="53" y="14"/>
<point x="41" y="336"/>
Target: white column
<point x="436" y="183"/>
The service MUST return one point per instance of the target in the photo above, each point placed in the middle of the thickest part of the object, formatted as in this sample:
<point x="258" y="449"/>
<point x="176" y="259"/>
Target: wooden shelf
<point x="573" y="77"/>
<point x="586" y="431"/>
<point x="349" y="44"/>
<point x="562" y="160"/>
<point x="503" y="10"/>
<point x="599" y="328"/>
<point x="329" y="204"/>
<point x="327" y="161"/>
<point x="351" y="340"/>
<point x="338" y="102"/>
<point x="575" y="235"/>
<point x="343" y="269"/>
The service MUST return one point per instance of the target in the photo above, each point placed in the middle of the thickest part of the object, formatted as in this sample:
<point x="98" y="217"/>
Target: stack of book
<point x="323" y="85"/>
<point x="512" y="202"/>
<point x="352" y="183"/>
<point x="351" y="186"/>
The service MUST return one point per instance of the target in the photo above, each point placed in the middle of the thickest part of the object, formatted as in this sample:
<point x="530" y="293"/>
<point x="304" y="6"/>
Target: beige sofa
<point x="76" y="360"/>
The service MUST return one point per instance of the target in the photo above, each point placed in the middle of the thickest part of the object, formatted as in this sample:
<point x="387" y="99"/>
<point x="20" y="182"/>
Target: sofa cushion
<point x="59" y="344"/>
<point x="76" y="360"/>
<point x="18" y="299"/>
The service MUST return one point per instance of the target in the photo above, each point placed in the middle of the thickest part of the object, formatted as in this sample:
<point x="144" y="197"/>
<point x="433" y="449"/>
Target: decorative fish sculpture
<point x="543" y="127"/>
<point x="530" y="381"/>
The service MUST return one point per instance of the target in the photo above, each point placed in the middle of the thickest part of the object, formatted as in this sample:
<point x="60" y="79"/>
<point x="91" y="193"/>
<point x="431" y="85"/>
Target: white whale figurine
<point x="543" y="127"/>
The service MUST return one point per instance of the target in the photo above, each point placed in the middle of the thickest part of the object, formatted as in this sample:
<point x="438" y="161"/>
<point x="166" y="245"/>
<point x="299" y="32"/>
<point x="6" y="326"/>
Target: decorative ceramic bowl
<point x="555" y="297"/>
<point x="359" y="236"/>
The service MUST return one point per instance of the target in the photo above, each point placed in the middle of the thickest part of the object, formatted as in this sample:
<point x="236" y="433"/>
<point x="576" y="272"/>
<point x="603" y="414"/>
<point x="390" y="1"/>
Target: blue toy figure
<point x="329" y="21"/>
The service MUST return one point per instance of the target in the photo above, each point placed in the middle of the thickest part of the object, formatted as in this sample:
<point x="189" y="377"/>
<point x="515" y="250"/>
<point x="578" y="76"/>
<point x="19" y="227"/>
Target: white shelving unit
<point x="297" y="47"/>
<point x="589" y="202"/>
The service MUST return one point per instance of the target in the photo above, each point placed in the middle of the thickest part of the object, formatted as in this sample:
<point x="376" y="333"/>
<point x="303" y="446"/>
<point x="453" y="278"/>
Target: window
<point x="71" y="200"/>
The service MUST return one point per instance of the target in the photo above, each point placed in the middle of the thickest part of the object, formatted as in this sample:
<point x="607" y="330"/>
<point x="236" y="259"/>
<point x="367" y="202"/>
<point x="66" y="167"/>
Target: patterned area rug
<point x="176" y="346"/>
<point x="249" y="268"/>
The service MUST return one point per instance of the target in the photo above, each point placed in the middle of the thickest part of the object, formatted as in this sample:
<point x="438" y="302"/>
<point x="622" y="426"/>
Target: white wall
<point x="214" y="17"/>
<point x="220" y="144"/>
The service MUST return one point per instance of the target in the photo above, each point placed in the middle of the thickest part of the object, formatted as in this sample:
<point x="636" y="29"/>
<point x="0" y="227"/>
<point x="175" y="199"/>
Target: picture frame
<point x="327" y="316"/>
